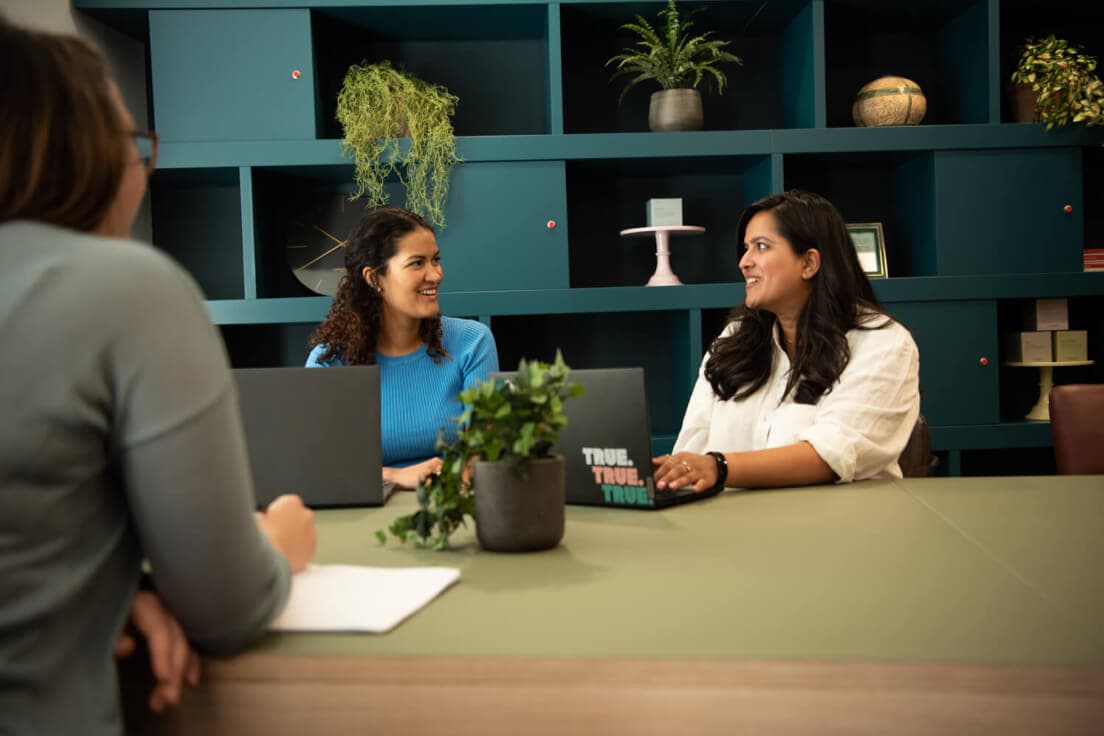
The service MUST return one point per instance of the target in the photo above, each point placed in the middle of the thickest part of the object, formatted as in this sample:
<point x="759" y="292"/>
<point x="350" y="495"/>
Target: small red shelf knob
<point x="295" y="73"/>
<point x="1068" y="208"/>
<point x="984" y="361"/>
<point x="551" y="224"/>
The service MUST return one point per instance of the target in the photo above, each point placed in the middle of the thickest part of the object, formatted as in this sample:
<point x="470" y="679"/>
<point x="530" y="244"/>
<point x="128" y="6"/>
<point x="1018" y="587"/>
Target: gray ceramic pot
<point x="515" y="514"/>
<point x="675" y="109"/>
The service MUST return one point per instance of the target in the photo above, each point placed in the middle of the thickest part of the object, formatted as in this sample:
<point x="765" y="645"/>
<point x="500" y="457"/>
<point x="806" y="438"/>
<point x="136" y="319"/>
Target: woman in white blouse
<point x="811" y="382"/>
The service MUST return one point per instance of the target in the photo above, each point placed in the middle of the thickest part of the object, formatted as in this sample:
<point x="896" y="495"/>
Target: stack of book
<point x="1094" y="259"/>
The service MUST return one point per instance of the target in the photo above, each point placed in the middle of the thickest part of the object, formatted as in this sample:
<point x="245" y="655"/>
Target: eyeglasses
<point x="146" y="140"/>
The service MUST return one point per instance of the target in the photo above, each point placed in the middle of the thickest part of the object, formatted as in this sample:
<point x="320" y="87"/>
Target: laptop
<point x="607" y="443"/>
<point x="314" y="432"/>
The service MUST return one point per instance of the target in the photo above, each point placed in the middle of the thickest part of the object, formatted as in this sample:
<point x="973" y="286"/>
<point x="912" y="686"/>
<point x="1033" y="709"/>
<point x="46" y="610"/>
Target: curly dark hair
<point x="841" y="299"/>
<point x="351" y="329"/>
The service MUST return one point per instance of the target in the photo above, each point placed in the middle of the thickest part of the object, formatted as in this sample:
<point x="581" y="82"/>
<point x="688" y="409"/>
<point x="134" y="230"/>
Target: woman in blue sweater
<point x="386" y="313"/>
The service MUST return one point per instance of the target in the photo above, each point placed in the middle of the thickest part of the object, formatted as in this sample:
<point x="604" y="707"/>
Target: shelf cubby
<point x="942" y="46"/>
<point x="893" y="188"/>
<point x="1077" y="21"/>
<point x="459" y="46"/>
<point x="775" y="87"/>
<point x="297" y="210"/>
<point x="197" y="219"/>
<point x="607" y="196"/>
<point x="1020" y="386"/>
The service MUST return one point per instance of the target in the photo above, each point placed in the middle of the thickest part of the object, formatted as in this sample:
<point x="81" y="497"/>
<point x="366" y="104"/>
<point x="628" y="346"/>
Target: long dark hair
<point x="351" y="329"/>
<point x="841" y="299"/>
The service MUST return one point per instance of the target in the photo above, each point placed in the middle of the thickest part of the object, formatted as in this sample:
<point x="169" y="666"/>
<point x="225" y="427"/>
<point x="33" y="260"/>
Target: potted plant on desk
<point x="377" y="106"/>
<point x="678" y="62"/>
<point x="516" y="489"/>
<point x="1055" y="83"/>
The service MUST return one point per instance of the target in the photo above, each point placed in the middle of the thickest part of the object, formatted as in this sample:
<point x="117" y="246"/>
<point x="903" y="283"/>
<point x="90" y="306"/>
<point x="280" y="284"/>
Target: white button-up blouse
<point x="859" y="428"/>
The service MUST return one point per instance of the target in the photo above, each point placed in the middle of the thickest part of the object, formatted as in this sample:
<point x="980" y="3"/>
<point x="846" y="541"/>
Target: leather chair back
<point x="917" y="460"/>
<point x="1077" y="423"/>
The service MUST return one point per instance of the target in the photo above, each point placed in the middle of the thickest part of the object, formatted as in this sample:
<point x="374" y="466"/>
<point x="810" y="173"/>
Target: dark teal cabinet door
<point x="230" y="75"/>
<point x="959" y="376"/>
<point x="506" y="227"/>
<point x="1009" y="211"/>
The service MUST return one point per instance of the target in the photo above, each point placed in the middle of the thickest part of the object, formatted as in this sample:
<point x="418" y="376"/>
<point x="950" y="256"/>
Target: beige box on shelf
<point x="664" y="212"/>
<point x="1047" y="314"/>
<point x="1028" y="347"/>
<point x="1071" y="345"/>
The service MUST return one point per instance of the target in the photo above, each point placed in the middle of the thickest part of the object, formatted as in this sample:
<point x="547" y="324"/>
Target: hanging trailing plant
<point x="377" y="106"/>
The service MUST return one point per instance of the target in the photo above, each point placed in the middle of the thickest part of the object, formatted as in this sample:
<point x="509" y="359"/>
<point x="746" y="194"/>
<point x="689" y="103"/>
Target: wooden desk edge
<point x="688" y="672"/>
<point x="276" y="694"/>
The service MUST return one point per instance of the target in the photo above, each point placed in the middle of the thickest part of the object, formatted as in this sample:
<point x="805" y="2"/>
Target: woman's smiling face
<point x="776" y="276"/>
<point x="413" y="275"/>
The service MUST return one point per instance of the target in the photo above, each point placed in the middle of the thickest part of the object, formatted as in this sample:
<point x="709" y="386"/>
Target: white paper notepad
<point x="354" y="598"/>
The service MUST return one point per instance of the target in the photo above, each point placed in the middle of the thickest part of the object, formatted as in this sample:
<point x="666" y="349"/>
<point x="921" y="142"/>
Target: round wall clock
<point x="315" y="240"/>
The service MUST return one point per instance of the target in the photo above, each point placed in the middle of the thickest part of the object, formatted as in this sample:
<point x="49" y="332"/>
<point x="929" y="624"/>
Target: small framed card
<point x="870" y="246"/>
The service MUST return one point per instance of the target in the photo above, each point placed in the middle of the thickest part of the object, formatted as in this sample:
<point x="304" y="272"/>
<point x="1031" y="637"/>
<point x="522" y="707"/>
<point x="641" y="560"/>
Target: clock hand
<point x="340" y="244"/>
<point x="328" y="235"/>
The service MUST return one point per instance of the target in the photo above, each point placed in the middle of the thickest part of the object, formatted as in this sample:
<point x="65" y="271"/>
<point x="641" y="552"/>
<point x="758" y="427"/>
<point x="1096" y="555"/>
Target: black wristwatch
<point x="722" y="470"/>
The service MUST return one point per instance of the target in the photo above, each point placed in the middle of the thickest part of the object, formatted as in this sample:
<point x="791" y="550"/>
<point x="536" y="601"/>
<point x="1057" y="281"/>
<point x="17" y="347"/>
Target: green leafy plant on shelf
<point x="510" y="422"/>
<point x="670" y="55"/>
<point x="1063" y="77"/>
<point x="377" y="106"/>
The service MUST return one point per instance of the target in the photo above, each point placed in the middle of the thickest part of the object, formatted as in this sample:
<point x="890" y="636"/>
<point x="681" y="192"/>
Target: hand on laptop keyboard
<point x="685" y="469"/>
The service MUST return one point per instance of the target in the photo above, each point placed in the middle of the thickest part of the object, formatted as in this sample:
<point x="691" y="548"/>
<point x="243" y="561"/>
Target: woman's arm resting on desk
<point x="183" y="457"/>
<point x="173" y="661"/>
<point x="793" y="465"/>
<point x="412" y="475"/>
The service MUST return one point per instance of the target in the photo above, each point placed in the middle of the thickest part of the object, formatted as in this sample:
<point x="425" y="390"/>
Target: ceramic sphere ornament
<point x="889" y="101"/>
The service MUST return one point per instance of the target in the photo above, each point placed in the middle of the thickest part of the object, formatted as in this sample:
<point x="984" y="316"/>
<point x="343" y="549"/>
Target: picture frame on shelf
<point x="869" y="241"/>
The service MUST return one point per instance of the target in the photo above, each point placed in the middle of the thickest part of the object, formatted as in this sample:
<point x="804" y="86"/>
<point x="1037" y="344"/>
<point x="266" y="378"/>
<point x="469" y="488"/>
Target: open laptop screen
<point x="314" y="432"/>
<point x="607" y="443"/>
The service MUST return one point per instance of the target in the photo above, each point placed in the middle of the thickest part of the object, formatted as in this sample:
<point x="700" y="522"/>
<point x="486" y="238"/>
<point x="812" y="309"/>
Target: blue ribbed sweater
<point x="418" y="396"/>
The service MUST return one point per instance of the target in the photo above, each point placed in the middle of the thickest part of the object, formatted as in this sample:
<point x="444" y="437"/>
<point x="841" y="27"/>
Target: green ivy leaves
<point x="1063" y="77"/>
<point x="504" y="421"/>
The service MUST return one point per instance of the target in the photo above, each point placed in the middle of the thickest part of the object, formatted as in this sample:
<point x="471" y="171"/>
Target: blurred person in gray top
<point x="120" y="439"/>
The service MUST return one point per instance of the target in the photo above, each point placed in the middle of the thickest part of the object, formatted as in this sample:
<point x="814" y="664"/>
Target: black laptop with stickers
<point x="607" y="443"/>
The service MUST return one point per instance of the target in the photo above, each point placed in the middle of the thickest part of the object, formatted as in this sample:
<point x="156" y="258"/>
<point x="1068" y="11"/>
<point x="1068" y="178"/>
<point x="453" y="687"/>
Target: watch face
<point x="316" y="236"/>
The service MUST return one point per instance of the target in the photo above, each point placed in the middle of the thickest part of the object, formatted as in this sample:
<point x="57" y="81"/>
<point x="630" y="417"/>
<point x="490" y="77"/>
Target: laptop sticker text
<point x="617" y="476"/>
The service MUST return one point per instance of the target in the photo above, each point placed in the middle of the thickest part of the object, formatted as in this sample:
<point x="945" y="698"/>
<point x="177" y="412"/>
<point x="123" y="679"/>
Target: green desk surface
<point x="994" y="570"/>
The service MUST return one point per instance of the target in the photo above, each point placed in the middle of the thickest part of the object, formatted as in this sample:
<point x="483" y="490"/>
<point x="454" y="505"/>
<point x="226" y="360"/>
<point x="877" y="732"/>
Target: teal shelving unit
<point x="979" y="213"/>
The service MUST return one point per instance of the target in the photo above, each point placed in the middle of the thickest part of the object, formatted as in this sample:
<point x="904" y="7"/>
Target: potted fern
<point x="1058" y="84"/>
<point x="377" y="106"/>
<point x="678" y="62"/>
<point x="500" y="470"/>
